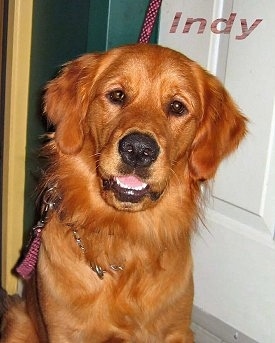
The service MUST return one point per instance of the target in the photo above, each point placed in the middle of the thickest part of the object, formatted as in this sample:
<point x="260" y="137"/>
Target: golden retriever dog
<point x="138" y="129"/>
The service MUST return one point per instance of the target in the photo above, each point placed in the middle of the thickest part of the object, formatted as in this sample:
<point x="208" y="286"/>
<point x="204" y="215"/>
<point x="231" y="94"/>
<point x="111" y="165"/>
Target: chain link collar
<point x="95" y="267"/>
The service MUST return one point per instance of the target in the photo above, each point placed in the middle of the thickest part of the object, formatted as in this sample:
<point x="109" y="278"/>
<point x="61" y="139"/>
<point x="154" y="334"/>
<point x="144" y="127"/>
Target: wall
<point x="235" y="256"/>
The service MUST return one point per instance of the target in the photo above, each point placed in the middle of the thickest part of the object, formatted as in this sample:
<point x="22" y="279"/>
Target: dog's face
<point x="145" y="110"/>
<point x="144" y="120"/>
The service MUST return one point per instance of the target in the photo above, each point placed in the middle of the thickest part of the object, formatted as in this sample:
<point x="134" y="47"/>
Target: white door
<point x="235" y="257"/>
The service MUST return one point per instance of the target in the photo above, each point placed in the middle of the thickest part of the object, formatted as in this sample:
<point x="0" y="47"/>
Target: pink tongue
<point x="131" y="181"/>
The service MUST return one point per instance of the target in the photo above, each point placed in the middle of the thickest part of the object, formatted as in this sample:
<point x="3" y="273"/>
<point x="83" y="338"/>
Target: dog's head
<point x="148" y="114"/>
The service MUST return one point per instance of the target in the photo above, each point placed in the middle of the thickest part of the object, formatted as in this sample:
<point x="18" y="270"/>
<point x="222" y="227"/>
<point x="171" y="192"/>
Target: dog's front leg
<point x="16" y="326"/>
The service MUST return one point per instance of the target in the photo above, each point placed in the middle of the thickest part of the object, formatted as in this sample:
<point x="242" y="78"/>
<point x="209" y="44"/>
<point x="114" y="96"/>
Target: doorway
<point x="45" y="34"/>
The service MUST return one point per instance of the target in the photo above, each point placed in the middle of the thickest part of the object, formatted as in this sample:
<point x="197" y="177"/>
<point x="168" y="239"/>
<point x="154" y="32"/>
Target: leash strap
<point x="50" y="201"/>
<point x="149" y="21"/>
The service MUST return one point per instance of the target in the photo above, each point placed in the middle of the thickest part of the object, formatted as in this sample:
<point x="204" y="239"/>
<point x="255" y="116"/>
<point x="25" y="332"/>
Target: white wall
<point x="235" y="257"/>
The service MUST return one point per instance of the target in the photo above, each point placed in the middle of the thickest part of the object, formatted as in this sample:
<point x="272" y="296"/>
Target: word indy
<point x="224" y="27"/>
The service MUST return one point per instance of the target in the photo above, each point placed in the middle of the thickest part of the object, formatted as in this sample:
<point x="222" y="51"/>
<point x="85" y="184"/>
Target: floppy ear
<point x="221" y="129"/>
<point x="67" y="101"/>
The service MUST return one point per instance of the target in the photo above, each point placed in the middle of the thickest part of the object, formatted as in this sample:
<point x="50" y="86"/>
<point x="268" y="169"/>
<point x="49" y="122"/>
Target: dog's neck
<point x="90" y="236"/>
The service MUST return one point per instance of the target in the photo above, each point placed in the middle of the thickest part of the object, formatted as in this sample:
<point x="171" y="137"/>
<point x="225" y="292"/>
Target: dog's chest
<point x="137" y="286"/>
<point x="126" y="307"/>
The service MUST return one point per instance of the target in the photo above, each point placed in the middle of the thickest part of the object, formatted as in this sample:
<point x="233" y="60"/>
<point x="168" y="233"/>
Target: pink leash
<point x="149" y="21"/>
<point x="27" y="265"/>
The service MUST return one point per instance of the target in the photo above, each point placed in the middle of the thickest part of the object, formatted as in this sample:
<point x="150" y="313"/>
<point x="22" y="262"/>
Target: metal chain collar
<point x="95" y="267"/>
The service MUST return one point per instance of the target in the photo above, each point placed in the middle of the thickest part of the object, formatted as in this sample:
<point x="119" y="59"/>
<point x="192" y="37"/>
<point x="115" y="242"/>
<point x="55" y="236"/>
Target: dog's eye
<point x="177" y="108"/>
<point x="117" y="96"/>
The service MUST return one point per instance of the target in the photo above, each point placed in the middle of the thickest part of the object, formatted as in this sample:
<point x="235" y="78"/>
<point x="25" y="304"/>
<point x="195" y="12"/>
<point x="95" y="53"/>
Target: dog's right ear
<point x="67" y="99"/>
<point x="221" y="129"/>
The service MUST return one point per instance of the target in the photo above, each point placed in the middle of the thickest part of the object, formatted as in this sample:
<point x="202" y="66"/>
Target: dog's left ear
<point x="221" y="129"/>
<point x="67" y="99"/>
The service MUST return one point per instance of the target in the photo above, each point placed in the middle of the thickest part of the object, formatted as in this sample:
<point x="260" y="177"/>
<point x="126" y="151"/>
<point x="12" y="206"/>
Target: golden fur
<point x="191" y="124"/>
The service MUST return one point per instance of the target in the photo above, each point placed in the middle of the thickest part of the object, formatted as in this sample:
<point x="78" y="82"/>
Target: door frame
<point x="2" y="82"/>
<point x="15" y="122"/>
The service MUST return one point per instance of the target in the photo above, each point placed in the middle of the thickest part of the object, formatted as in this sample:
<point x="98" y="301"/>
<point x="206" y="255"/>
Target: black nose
<point x="138" y="149"/>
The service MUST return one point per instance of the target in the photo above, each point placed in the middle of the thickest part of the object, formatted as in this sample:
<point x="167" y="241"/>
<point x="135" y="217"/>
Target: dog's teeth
<point x="130" y="182"/>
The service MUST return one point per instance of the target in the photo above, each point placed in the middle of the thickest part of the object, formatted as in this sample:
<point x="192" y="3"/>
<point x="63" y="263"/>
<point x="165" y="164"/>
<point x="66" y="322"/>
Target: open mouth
<point x="129" y="188"/>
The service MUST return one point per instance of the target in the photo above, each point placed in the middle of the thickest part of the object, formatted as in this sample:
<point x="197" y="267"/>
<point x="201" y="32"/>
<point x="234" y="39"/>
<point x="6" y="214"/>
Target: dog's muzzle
<point x="138" y="151"/>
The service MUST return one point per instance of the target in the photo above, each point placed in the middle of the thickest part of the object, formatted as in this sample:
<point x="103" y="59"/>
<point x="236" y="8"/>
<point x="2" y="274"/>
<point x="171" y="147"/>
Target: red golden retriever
<point x="137" y="130"/>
